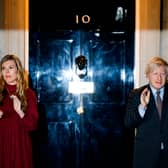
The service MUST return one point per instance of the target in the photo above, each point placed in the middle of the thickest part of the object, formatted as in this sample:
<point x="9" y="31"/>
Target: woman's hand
<point x="1" y="114"/>
<point x="145" y="96"/>
<point x="17" y="106"/>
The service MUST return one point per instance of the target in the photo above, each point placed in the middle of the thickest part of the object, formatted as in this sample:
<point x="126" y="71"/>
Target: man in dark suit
<point x="149" y="117"/>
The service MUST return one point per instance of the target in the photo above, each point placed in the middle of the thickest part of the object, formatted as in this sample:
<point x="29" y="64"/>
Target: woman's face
<point x="157" y="78"/>
<point x="9" y="72"/>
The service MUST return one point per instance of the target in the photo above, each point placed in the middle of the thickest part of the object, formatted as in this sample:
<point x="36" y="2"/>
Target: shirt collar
<point x="155" y="90"/>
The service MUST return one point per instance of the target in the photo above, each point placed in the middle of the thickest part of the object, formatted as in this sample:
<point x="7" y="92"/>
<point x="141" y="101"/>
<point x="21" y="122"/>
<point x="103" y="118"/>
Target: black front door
<point x="81" y="68"/>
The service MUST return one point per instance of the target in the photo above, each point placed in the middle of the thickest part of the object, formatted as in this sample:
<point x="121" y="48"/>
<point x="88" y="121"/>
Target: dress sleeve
<point x="30" y="120"/>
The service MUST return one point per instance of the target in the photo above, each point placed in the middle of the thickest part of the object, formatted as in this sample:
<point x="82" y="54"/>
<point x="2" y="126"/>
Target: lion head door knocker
<point x="81" y="66"/>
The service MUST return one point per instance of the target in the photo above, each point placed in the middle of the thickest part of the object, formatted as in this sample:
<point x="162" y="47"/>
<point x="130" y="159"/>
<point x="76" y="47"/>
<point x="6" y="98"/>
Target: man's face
<point x="157" y="78"/>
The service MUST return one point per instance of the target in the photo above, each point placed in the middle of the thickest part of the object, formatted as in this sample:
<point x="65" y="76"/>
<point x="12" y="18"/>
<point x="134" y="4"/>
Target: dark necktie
<point x="159" y="102"/>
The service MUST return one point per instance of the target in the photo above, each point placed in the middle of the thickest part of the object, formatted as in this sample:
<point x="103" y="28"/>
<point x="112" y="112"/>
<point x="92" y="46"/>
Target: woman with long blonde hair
<point x="18" y="114"/>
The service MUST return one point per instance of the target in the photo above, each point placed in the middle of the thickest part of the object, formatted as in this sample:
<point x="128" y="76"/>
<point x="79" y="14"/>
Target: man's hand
<point x="145" y="96"/>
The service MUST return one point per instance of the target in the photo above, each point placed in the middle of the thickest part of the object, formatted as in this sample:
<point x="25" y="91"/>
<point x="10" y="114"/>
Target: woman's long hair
<point x="22" y="80"/>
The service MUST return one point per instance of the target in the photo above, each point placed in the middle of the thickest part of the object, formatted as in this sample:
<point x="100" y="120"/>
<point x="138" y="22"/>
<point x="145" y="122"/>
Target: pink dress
<point x="15" y="140"/>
